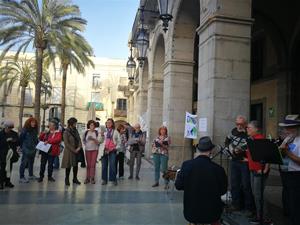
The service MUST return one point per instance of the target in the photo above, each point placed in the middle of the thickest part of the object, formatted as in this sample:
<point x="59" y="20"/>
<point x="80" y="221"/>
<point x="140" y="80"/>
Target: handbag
<point x="80" y="156"/>
<point x="15" y="157"/>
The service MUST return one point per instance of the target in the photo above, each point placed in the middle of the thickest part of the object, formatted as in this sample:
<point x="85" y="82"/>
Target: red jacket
<point x="53" y="139"/>
<point x="254" y="166"/>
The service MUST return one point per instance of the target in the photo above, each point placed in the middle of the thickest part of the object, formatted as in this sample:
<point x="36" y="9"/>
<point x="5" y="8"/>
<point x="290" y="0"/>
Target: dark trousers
<point x="120" y="163"/>
<point x="291" y="197"/>
<point x="75" y="172"/>
<point x="46" y="158"/>
<point x="240" y="185"/>
<point x="3" y="177"/>
<point x="109" y="163"/>
<point x="27" y="160"/>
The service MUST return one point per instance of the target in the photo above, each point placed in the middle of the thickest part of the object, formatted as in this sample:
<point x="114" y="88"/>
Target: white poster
<point x="203" y="124"/>
<point x="190" y="130"/>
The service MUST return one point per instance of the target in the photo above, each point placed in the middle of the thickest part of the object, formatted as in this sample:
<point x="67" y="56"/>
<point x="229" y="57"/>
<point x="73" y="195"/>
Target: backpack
<point x="86" y="132"/>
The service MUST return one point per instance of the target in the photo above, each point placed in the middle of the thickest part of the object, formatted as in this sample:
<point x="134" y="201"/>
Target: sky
<point x="109" y="25"/>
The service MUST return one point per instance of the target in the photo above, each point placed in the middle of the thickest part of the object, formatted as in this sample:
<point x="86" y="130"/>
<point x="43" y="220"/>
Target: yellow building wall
<point x="267" y="92"/>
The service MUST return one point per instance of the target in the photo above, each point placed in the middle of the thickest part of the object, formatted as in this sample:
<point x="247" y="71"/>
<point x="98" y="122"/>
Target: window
<point x="95" y="97"/>
<point x="121" y="104"/>
<point x="96" y="81"/>
<point x="28" y="97"/>
<point x="57" y="74"/>
<point x="56" y="95"/>
<point x="54" y="112"/>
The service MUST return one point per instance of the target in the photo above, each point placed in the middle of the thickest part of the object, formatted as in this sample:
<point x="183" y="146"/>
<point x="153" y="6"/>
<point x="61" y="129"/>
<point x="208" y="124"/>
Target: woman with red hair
<point x="160" y="150"/>
<point x="28" y="140"/>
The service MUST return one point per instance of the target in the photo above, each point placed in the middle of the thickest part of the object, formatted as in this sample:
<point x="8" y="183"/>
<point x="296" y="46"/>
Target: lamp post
<point x="130" y="65"/>
<point x="142" y="41"/>
<point x="45" y="106"/>
<point x="165" y="13"/>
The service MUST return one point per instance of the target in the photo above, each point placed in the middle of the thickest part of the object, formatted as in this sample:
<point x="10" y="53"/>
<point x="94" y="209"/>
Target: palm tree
<point x="37" y="24"/>
<point x="75" y="51"/>
<point x="22" y="72"/>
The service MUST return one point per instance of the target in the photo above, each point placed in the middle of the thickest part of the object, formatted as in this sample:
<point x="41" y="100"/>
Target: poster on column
<point x="190" y="130"/>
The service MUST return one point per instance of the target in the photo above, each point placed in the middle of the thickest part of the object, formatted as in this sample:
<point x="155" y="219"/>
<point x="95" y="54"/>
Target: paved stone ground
<point x="131" y="202"/>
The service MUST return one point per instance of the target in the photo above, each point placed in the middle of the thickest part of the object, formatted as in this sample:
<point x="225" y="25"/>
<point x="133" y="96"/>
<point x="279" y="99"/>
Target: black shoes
<point x="40" y="179"/>
<point x="104" y="182"/>
<point x="137" y="178"/>
<point x="67" y="182"/>
<point x="1" y="186"/>
<point x="155" y="184"/>
<point x="9" y="185"/>
<point x="130" y="177"/>
<point x="51" y="179"/>
<point x="76" y="181"/>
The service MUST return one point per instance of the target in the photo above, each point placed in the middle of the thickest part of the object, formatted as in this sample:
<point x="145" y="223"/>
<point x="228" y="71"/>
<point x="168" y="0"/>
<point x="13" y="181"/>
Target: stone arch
<point x="182" y="30"/>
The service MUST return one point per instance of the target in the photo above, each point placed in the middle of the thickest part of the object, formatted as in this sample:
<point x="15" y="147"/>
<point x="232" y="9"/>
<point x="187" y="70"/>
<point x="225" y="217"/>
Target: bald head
<point x="241" y="123"/>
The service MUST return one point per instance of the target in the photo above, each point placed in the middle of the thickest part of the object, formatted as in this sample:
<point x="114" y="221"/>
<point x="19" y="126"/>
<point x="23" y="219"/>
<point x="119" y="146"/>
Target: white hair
<point x="244" y="118"/>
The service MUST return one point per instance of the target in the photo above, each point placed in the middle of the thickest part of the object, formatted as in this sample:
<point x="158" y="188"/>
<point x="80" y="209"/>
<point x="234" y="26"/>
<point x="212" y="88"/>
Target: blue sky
<point x="109" y="25"/>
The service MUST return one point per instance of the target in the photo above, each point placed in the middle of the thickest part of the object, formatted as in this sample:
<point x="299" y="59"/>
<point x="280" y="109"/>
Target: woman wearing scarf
<point x="112" y="142"/>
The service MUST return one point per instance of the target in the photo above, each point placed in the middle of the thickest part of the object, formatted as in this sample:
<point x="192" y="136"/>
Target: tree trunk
<point x="23" y="89"/>
<point x="63" y="93"/>
<point x="38" y="83"/>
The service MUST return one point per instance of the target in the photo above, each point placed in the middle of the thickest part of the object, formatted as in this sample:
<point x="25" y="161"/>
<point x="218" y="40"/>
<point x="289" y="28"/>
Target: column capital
<point x="178" y="62"/>
<point x="223" y="19"/>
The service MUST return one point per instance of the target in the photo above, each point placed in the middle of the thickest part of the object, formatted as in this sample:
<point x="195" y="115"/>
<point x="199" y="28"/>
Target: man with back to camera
<point x="203" y="183"/>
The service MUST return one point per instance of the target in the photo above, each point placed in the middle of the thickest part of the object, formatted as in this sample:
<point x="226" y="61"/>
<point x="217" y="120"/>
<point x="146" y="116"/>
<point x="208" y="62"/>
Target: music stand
<point x="264" y="151"/>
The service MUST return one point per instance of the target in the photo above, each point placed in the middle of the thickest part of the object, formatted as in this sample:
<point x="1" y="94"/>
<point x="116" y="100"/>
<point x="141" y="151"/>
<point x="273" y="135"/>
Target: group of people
<point x="203" y="181"/>
<point x="79" y="148"/>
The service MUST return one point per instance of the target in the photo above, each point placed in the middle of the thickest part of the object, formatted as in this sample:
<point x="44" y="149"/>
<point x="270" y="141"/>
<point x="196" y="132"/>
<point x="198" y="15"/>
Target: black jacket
<point x="5" y="145"/>
<point x="203" y="182"/>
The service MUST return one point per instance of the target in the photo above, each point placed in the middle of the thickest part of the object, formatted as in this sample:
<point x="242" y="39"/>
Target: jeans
<point x="91" y="158"/>
<point x="27" y="160"/>
<point x="109" y="162"/>
<point x="46" y="158"/>
<point x="160" y="165"/>
<point x="138" y="156"/>
<point x="120" y="163"/>
<point x="56" y="162"/>
<point x="240" y="184"/>
<point x="256" y="190"/>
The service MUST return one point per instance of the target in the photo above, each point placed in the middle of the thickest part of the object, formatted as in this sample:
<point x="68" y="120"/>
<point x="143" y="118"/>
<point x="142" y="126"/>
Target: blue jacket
<point x="28" y="140"/>
<point x="203" y="182"/>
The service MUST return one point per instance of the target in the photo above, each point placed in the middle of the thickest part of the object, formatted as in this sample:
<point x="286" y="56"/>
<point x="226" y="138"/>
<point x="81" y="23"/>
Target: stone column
<point x="178" y="99"/>
<point x="154" y="111"/>
<point x="224" y="64"/>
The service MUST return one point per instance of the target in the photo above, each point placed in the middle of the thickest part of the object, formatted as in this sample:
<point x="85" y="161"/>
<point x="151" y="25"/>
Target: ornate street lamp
<point x="165" y="13"/>
<point x="142" y="43"/>
<point x="130" y="65"/>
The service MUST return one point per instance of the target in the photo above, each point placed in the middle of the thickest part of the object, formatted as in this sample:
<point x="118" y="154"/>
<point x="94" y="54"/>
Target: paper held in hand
<point x="43" y="147"/>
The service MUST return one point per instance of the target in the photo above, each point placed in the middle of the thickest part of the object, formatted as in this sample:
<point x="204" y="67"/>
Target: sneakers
<point x="265" y="222"/>
<point x="23" y="180"/>
<point x="32" y="177"/>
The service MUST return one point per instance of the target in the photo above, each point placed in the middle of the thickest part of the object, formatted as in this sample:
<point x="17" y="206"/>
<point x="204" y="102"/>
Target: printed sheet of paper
<point x="43" y="147"/>
<point x="190" y="130"/>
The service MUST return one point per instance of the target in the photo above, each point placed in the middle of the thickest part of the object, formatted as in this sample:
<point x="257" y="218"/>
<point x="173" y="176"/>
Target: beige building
<point x="218" y="59"/>
<point x="99" y="85"/>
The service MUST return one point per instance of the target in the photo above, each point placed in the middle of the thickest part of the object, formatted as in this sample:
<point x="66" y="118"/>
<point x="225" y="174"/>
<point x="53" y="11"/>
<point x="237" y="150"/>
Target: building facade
<point x="93" y="94"/>
<point x="218" y="59"/>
